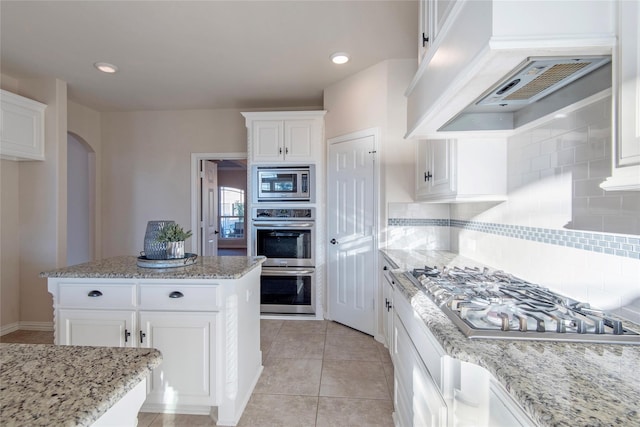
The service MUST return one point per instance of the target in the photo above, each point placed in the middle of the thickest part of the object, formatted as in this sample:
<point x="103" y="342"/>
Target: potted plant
<point x="174" y="236"/>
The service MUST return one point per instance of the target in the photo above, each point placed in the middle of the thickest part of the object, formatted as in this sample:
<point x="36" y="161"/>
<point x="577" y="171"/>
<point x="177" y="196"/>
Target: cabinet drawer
<point x="103" y="295"/>
<point x="182" y="297"/>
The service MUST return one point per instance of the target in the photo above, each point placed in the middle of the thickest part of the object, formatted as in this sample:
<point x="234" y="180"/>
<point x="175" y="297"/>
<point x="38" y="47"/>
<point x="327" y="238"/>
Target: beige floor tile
<point x="354" y="412"/>
<point x="290" y="376"/>
<point x="145" y="419"/>
<point x="28" y="337"/>
<point x="304" y="327"/>
<point x="269" y="328"/>
<point x="279" y="411"/>
<point x="351" y="347"/>
<point x="338" y="328"/>
<point x="181" y="420"/>
<point x="298" y="346"/>
<point x="356" y="379"/>
<point x="388" y="374"/>
<point x="385" y="356"/>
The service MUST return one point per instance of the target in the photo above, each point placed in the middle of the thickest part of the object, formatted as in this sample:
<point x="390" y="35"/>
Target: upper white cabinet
<point x="473" y="44"/>
<point x="461" y="170"/>
<point x="288" y="137"/>
<point x="626" y="149"/>
<point x="21" y="128"/>
<point x="433" y="16"/>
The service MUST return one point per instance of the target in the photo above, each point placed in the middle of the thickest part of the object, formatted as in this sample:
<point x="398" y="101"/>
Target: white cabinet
<point x="433" y="16"/>
<point x="288" y="137"/>
<point x="21" y="127"/>
<point x="186" y="341"/>
<point x="626" y="149"/>
<point x="208" y="332"/>
<point x="461" y="170"/>
<point x="417" y="399"/>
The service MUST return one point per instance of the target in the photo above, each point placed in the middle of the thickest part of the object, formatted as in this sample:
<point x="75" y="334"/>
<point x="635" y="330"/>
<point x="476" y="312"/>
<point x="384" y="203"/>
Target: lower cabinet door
<point x="185" y="339"/>
<point x="102" y="328"/>
<point x="418" y="399"/>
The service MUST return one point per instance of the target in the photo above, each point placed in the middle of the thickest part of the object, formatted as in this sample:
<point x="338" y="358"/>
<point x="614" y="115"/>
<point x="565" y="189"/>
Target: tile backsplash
<point x="557" y="227"/>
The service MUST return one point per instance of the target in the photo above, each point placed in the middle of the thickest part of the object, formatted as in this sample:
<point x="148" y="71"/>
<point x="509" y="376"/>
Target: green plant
<point x="173" y="233"/>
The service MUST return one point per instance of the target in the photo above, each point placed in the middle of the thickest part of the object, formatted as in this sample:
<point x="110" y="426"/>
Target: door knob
<point x="216" y="232"/>
<point x="333" y="241"/>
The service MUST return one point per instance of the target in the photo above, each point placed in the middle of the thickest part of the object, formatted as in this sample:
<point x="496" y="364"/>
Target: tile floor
<point x="316" y="373"/>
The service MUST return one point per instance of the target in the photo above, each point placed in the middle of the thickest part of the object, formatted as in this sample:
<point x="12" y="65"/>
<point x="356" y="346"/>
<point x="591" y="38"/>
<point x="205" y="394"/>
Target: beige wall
<point x="10" y="244"/>
<point x="375" y="98"/>
<point x="146" y="168"/>
<point x="34" y="210"/>
<point x="85" y="124"/>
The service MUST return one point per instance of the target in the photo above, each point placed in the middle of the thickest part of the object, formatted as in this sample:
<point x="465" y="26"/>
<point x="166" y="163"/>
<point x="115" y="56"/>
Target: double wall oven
<point x="287" y="238"/>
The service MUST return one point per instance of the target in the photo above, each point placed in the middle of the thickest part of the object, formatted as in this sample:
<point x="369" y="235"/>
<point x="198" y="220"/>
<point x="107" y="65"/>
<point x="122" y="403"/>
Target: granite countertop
<point x="50" y="385"/>
<point x="556" y="383"/>
<point x="125" y="267"/>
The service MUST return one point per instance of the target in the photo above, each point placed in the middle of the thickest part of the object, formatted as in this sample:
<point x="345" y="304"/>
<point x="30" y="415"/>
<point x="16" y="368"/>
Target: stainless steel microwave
<point x="284" y="183"/>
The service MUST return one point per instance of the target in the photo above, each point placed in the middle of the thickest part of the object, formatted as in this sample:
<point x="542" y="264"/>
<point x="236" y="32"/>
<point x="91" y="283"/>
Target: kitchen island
<point x="555" y="383"/>
<point x="47" y="385"/>
<point x="204" y="318"/>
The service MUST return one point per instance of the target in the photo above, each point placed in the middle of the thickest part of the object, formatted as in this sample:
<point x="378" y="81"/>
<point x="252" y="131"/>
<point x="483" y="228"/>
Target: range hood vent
<point x="532" y="82"/>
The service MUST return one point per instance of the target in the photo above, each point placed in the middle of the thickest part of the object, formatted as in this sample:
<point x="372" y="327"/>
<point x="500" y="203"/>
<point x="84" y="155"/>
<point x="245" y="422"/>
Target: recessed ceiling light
<point x="105" y="67"/>
<point x="340" y="58"/>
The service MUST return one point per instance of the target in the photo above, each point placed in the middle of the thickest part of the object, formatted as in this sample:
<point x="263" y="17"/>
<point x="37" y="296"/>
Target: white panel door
<point x="351" y="250"/>
<point x="184" y="339"/>
<point x="210" y="230"/>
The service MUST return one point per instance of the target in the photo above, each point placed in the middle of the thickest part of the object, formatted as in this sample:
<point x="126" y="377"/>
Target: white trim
<point x="195" y="189"/>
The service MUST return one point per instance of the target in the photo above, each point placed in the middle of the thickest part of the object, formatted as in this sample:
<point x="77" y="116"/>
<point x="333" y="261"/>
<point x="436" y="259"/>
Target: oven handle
<point x="271" y="271"/>
<point x="283" y="224"/>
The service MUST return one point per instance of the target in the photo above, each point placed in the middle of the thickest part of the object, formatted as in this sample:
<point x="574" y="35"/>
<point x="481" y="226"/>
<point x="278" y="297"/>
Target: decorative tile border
<point x="418" y="222"/>
<point x="611" y="244"/>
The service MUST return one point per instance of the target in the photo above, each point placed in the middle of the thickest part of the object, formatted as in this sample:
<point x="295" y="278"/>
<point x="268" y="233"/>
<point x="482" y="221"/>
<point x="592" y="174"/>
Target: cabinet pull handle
<point x="94" y="294"/>
<point x="385" y="268"/>
<point x="142" y="335"/>
<point x="176" y="294"/>
<point x="427" y="176"/>
<point x="280" y="150"/>
<point x="286" y="150"/>
<point x="127" y="334"/>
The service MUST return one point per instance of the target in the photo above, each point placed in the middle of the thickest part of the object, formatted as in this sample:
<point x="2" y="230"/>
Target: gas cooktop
<point x="486" y="304"/>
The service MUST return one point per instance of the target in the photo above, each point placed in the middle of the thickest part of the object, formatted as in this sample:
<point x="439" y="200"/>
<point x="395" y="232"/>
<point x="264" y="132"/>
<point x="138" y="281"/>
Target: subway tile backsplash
<point x="557" y="228"/>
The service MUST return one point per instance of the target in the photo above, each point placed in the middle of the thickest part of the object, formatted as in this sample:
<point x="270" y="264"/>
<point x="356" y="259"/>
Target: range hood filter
<point x="538" y="78"/>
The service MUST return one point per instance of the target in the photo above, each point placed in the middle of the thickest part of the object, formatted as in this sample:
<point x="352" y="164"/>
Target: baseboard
<point x="26" y="326"/>
<point x="7" y="329"/>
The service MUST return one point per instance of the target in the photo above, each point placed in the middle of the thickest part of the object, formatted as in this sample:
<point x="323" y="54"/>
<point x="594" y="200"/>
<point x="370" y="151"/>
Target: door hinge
<point x="425" y="40"/>
<point x="202" y="174"/>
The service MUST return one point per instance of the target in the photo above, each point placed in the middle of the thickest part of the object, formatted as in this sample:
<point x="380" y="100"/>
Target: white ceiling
<point x="201" y="54"/>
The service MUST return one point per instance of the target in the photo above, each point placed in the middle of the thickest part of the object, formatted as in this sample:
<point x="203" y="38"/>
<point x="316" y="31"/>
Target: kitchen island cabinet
<point x="47" y="385"/>
<point x="204" y="318"/>
<point x="542" y="383"/>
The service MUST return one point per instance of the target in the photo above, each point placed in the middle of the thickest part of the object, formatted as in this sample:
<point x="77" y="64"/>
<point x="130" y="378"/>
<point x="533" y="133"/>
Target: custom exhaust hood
<point x="537" y="87"/>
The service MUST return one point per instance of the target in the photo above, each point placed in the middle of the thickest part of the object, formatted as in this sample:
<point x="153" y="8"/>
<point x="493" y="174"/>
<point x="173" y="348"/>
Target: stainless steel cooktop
<point x="485" y="304"/>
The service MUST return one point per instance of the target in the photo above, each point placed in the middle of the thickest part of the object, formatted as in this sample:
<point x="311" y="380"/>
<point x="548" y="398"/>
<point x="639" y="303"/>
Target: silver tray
<point x="188" y="259"/>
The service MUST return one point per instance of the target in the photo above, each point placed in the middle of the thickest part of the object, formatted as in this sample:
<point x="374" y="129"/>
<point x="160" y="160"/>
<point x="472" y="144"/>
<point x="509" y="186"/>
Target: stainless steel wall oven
<point x="287" y="238"/>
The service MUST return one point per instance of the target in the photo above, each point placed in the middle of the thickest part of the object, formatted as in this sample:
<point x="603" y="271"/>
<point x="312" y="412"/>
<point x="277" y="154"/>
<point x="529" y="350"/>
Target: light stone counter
<point x="48" y="385"/>
<point x="557" y="383"/>
<point x="125" y="267"/>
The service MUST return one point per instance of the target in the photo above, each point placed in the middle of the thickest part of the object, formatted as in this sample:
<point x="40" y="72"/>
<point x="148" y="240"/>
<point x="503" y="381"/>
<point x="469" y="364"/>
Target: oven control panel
<point x="279" y="214"/>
